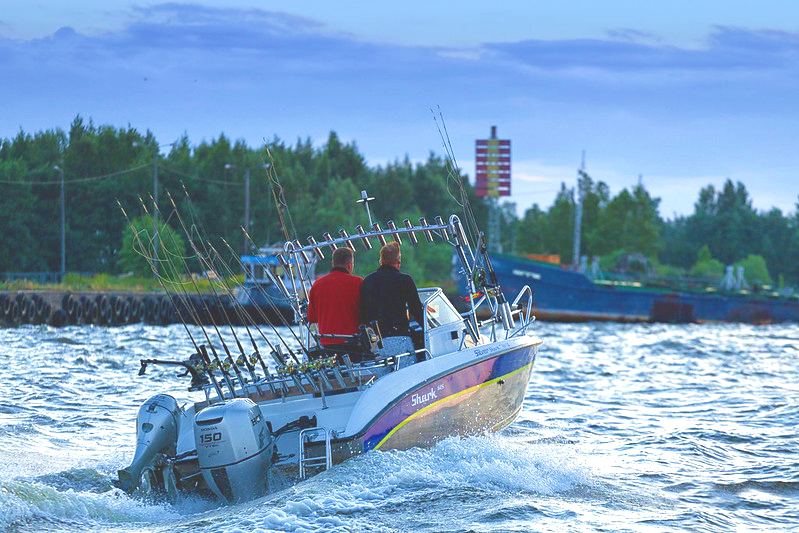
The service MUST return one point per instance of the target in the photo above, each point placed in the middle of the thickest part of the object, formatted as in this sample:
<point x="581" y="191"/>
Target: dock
<point x="103" y="308"/>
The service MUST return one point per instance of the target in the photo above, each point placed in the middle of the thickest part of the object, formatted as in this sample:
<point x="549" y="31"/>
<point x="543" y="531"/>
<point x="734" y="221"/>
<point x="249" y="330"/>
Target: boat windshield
<point x="437" y="308"/>
<point x="256" y="272"/>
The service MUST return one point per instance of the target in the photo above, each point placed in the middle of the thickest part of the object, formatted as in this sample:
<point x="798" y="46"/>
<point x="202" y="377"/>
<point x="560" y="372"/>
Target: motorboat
<point x="288" y="405"/>
<point x="260" y="288"/>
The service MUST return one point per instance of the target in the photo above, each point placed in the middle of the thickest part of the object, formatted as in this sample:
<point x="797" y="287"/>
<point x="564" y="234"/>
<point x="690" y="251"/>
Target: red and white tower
<point x="492" y="180"/>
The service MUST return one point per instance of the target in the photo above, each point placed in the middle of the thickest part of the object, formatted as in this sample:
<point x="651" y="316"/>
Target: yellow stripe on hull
<point x="467" y="412"/>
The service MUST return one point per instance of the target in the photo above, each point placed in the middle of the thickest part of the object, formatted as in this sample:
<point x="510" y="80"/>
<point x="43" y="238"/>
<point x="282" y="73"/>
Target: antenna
<point x="365" y="199"/>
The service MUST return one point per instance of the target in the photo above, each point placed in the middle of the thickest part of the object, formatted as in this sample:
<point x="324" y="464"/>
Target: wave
<point x="623" y="426"/>
<point x="376" y="489"/>
<point x="782" y="488"/>
<point x="424" y="488"/>
<point x="27" y="503"/>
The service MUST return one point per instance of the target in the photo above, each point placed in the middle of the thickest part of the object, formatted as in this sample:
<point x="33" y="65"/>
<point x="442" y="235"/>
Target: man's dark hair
<point x="342" y="257"/>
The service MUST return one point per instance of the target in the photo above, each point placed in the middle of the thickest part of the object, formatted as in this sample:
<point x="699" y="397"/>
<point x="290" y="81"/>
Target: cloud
<point x="727" y="48"/>
<point x="633" y="35"/>
<point x="637" y="104"/>
<point x="190" y="36"/>
<point x="194" y="27"/>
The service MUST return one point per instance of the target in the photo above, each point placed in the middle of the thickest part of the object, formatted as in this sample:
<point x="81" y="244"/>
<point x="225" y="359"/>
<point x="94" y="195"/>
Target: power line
<point x="77" y="180"/>
<point x="533" y="193"/>
<point x="194" y="176"/>
<point x="115" y="174"/>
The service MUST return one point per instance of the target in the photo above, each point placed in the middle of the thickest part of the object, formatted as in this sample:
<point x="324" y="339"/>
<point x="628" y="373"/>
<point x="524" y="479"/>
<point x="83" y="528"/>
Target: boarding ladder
<point x="323" y="461"/>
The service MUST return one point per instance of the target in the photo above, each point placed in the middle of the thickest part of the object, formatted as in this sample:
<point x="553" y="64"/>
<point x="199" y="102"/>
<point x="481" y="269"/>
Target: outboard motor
<point x="156" y="432"/>
<point x="234" y="449"/>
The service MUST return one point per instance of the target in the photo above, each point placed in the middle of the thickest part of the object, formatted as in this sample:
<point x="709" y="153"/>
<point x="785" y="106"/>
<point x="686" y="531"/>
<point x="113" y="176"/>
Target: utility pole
<point x="63" y="225"/>
<point x="155" y="209"/>
<point x="246" y="211"/>
<point x="578" y="215"/>
<point x="267" y="167"/>
<point x="225" y="203"/>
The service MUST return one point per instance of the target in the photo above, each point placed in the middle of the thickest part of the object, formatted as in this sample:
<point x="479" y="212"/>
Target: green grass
<point x="108" y="282"/>
<point x="130" y="283"/>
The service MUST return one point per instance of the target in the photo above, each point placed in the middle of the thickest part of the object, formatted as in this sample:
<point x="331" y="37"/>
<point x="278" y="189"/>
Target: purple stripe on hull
<point x="449" y="390"/>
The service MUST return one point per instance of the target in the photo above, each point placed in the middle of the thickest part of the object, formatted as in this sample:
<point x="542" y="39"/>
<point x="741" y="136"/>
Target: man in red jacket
<point x="334" y="300"/>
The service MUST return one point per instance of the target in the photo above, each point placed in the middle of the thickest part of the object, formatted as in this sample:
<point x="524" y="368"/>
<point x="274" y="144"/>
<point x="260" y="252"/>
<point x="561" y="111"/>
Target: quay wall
<point x="63" y="308"/>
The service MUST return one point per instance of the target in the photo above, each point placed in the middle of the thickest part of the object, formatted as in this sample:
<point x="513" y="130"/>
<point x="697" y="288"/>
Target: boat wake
<point x="378" y="491"/>
<point x="37" y="506"/>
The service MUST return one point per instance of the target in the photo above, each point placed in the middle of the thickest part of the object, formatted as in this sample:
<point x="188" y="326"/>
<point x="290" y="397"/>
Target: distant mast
<point x="492" y="180"/>
<point x="578" y="215"/>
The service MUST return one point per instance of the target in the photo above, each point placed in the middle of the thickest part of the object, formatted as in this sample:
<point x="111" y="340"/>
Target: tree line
<point x="319" y="183"/>
<point x="320" y="186"/>
<point x="724" y="229"/>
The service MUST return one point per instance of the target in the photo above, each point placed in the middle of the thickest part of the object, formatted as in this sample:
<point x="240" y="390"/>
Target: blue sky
<point x="684" y="93"/>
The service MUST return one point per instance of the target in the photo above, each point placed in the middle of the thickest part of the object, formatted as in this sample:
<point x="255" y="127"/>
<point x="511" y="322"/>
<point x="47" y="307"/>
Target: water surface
<point x="624" y="427"/>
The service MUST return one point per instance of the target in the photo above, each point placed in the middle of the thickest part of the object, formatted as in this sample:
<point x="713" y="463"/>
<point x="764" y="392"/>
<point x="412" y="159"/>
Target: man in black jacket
<point x="387" y="295"/>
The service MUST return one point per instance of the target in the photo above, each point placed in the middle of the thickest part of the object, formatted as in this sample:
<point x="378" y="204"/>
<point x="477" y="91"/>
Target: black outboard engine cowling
<point x="156" y="432"/>
<point x="234" y="449"/>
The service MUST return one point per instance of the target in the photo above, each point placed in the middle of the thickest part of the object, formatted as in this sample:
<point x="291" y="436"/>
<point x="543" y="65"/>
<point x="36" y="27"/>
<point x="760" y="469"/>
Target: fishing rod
<point x="192" y="311"/>
<point x="464" y="203"/>
<point x="202" y="259"/>
<point x="279" y="195"/>
<point x="294" y="294"/>
<point x="265" y="319"/>
<point x="199" y="349"/>
<point x="206" y="360"/>
<point x="280" y="201"/>
<point x="230" y="363"/>
<point x="277" y="353"/>
<point x="236" y="369"/>
<point x="275" y="350"/>
<point x="240" y="309"/>
<point x="244" y="316"/>
<point x="274" y="308"/>
<point x="471" y="225"/>
<point x="187" y="304"/>
<point x="291" y="240"/>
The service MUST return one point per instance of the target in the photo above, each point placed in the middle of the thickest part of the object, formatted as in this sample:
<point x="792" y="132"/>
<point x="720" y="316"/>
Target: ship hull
<point x="485" y="396"/>
<point x="570" y="296"/>
<point x="483" y="392"/>
<point x="265" y="300"/>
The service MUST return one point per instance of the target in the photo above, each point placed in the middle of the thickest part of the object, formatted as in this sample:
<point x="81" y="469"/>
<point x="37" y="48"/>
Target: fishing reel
<point x="481" y="283"/>
<point x="363" y="343"/>
<point x="370" y="338"/>
<point x="195" y="367"/>
<point x="479" y="277"/>
<point x="243" y="360"/>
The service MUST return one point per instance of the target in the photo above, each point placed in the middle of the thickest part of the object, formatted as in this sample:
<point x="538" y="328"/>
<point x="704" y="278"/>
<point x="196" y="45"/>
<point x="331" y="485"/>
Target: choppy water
<point x="624" y="427"/>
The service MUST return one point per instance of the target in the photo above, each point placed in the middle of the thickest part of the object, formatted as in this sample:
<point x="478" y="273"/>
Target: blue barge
<point x="566" y="295"/>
